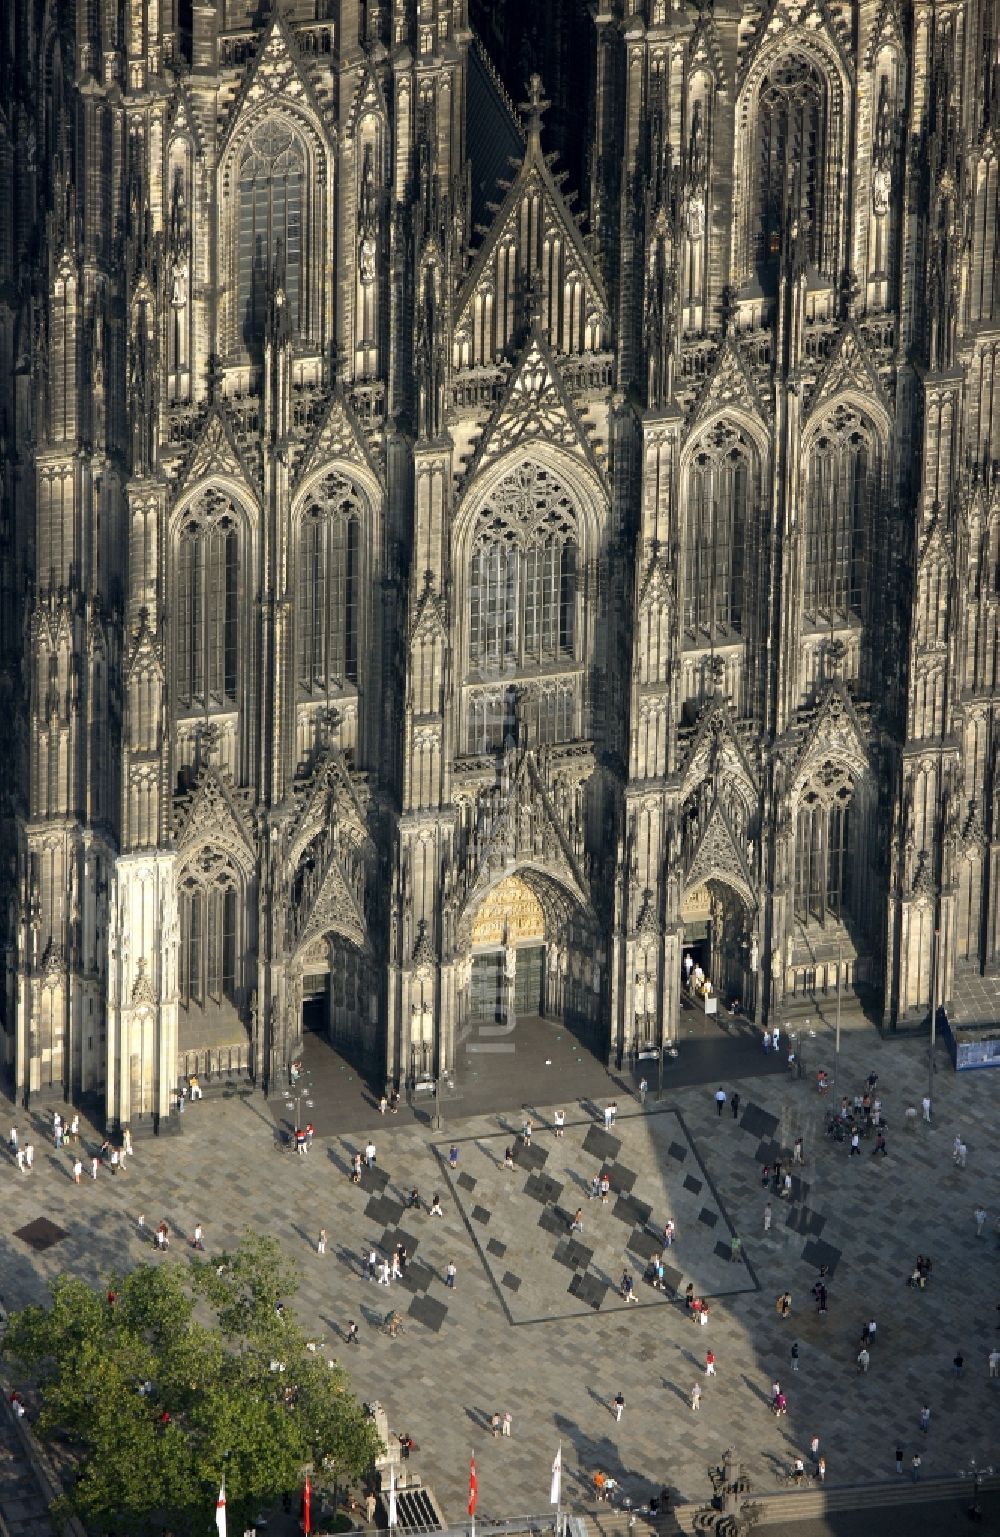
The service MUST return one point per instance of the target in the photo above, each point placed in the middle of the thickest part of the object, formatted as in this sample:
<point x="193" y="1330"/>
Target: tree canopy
<point x="176" y="1374"/>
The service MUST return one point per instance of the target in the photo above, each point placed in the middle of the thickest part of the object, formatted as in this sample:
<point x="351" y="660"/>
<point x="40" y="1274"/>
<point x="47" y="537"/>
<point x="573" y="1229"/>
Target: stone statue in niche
<point x="882" y="151"/>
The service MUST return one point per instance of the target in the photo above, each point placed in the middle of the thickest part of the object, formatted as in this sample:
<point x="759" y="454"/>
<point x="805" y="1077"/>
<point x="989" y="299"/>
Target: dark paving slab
<point x="601" y="1144"/>
<point x="41" y="1234"/>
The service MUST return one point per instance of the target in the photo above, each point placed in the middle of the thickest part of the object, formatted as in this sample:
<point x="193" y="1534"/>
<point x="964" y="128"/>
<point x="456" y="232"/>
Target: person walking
<point x="29" y="1156"/>
<point x="797" y="1151"/>
<point x="450" y="1274"/>
<point x="13" y="1140"/>
<point x="925" y="1419"/>
<point x="814" y="1451"/>
<point x="926" y="1106"/>
<point x="855" y="1143"/>
<point x="995" y="1362"/>
<point x="435" y="1210"/>
<point x="617" y="1405"/>
<point x="643" y="1090"/>
<point x="720" y="1100"/>
<point x="94" y="1166"/>
<point x="963" y="1153"/>
<point x="77" y="1170"/>
<point x="735" y="1250"/>
<point x="981" y="1215"/>
<point x="915" y="1466"/>
<point x="351" y="1337"/>
<point x="863" y="1359"/>
<point x="321" y="1241"/>
<point x="495" y="1425"/>
<point x="775" y="1038"/>
<point x="767" y="1217"/>
<point x="734" y="1105"/>
<point x="560" y="1120"/>
<point x="794" y="1352"/>
<point x="696" y="1397"/>
<point x="899" y="1459"/>
<point x="198" y="1237"/>
<point x="370" y="1154"/>
<point x="507" y="1423"/>
<point x="821" y="1469"/>
<point x="20" y="1160"/>
<point x="576" y="1226"/>
<point x="710" y="1363"/>
<point x="607" y="1118"/>
<point x="958" y="1363"/>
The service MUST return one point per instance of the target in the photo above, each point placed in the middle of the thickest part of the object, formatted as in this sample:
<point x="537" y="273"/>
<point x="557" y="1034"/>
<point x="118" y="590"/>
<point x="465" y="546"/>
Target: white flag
<point x="392" y="1497"/>
<point x="555" y="1493"/>
<point x="220" y="1510"/>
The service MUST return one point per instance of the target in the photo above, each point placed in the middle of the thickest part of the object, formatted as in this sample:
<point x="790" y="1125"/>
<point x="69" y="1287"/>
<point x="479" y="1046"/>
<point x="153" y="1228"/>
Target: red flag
<point x="473" y="1487"/>
<point x="307" y="1495"/>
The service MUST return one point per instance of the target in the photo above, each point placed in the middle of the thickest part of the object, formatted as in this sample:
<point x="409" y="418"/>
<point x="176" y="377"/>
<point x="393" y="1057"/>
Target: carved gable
<point x="836" y="736"/>
<point x="338" y="435"/>
<point x="730" y="386"/>
<point x="718" y="856"/>
<point x="803" y="18"/>
<point x="847" y="368"/>
<point x="276" y="76"/>
<point x="215" y="453"/>
<point x="334" y="909"/>
<point x="535" y="407"/>
<point x="144" y="655"/>
<point x="716" y="754"/>
<point x="213" y="815"/>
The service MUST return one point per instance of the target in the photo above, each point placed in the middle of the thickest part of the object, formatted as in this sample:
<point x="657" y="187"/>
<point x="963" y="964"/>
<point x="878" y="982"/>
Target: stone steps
<point x="808" y="1504"/>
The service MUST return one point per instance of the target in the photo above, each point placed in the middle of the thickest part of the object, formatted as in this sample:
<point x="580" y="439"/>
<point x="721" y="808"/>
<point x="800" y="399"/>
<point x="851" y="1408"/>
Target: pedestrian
<point x="607" y="1118"/>
<point x="995" y="1362"/>
<point x="814" y="1450"/>
<point x="795" y="1356"/>
<point x="955" y="1149"/>
<point x="821" y="1469"/>
<point x="29" y="1156"/>
<point x="383" y="1273"/>
<point x="855" y="1142"/>
<point x="963" y="1153"/>
<point x="735" y="1250"/>
<point x="775" y="1390"/>
<point x="669" y="1233"/>
<point x="767" y="1040"/>
<point x="899" y="1459"/>
<point x="786" y="1188"/>
<point x="617" y="1405"/>
<point x="871" y="1329"/>
<point x="20" y="1160"/>
<point x="643" y="1090"/>
<point x="116" y="1159"/>
<point x="13" y="1140"/>
<point x="925" y="1419"/>
<point x="695" y="1397"/>
<point x="77" y="1170"/>
<point x="926" y="1105"/>
<point x="688" y="966"/>
<point x="958" y="1363"/>
<point x="198" y="1239"/>
<point x="94" y="1162"/>
<point x="880" y="1146"/>
<point x="507" y="1422"/>
<point x="560" y="1120"/>
<point x="450" y="1274"/>
<point x="863" y="1359"/>
<point x="370" y="1154"/>
<point x="162" y="1233"/>
<point x="383" y="1104"/>
<point x="915" y="1466"/>
<point x="126" y="1141"/>
<point x="453" y="1156"/>
<point x="321" y="1241"/>
<point x="775" y="1037"/>
<point x="495" y="1425"/>
<point x="526" y="1131"/>
<point x="767" y="1217"/>
<point x="720" y="1100"/>
<point x="734" y="1105"/>
<point x="351" y="1337"/>
<point x="709" y="1363"/>
<point x="371" y="1505"/>
<point x="576" y="1226"/>
<point x="981" y="1215"/>
<point x="436" y="1207"/>
<point x="614" y="1111"/>
<point x="797" y="1151"/>
<point x="765" y="1176"/>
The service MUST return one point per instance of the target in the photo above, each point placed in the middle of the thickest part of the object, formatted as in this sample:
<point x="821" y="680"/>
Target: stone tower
<point x="429" y="589"/>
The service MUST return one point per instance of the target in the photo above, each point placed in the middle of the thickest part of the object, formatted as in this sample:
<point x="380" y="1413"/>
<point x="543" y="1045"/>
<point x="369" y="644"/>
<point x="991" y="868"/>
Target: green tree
<point x="177" y="1374"/>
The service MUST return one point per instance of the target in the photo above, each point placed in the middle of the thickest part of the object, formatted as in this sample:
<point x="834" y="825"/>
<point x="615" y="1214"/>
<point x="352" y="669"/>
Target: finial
<point x="534" y="108"/>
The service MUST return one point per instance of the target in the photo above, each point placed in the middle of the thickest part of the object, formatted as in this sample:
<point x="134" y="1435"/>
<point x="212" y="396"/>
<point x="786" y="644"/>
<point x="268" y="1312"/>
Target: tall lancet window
<point x="720" y="493"/>
<point x="842" y="482"/>
<point x="791" y="129"/>
<point x="208" y="559"/>
<point x="327" y="588"/>
<point x="271" y="183"/>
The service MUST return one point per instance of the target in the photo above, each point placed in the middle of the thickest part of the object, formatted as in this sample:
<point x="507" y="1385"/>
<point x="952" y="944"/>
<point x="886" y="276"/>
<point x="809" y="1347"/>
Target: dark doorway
<point x="486" y="988"/>
<point x="315" y="1005"/>
<point x="528" y="980"/>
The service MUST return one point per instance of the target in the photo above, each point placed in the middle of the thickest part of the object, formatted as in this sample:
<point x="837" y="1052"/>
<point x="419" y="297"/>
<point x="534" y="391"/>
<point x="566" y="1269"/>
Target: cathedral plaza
<point x="535" y="1325"/>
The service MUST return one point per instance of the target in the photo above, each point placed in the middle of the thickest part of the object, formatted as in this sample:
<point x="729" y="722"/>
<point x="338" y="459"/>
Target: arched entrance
<point x="718" y="937"/>
<point x="532" y="952"/>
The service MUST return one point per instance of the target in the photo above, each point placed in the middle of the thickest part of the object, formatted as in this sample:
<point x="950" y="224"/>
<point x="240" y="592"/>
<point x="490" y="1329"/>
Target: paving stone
<point x="694" y="1185"/>
<point x="496" y="1248"/>
<point x="621" y="1177"/>
<point x="529" y="1156"/>
<point x="40" y="1234"/>
<point x="758" y="1121"/>
<point x="817" y="1253"/>
<point x="481" y="1215"/>
<point x="601" y="1144"/>
<point x="676" y="1151"/>
<point x="511" y="1281"/>
<point x="466" y="1181"/>
<point x="709" y="1218"/>
<point x="428" y="1311"/>
<point x="644" y="1244"/>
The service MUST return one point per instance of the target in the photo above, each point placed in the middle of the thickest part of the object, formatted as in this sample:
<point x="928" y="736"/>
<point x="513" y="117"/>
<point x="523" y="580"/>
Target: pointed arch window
<point x="721" y="492"/>
<point x="327" y="588"/>
<point x="822" y="848"/>
<point x="208" y="571"/>
<point x="841" y="492"/>
<point x="790" y="160"/>
<point x="271" y="190"/>
<point x="523" y="576"/>
<point x="210" y="917"/>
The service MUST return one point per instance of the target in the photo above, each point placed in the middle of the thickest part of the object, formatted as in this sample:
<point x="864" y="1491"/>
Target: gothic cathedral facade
<point x="435" y="581"/>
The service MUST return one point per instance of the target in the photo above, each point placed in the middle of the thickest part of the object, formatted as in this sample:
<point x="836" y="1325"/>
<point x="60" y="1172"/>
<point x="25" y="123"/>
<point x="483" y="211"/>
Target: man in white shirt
<point x="720" y="1100"/>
